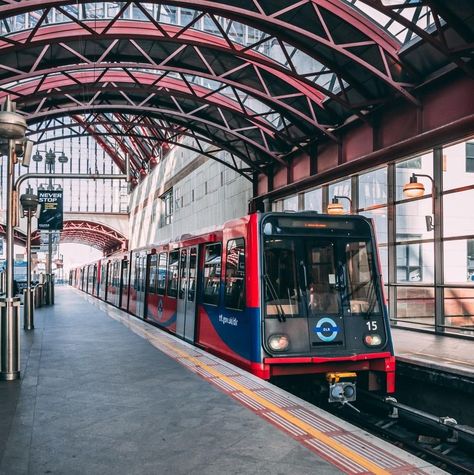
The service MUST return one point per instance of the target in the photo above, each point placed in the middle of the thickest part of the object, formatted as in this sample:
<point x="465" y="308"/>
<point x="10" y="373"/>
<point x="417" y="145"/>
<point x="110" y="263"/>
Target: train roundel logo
<point x="326" y="329"/>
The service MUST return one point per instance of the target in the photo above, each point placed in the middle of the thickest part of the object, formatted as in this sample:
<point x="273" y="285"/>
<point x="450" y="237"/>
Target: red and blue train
<point x="278" y="294"/>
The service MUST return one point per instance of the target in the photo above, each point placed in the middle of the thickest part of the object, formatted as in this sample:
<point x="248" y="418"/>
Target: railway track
<point x="439" y="440"/>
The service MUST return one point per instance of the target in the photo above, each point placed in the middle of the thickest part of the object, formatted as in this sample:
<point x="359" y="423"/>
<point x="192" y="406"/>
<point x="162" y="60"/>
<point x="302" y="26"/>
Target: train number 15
<point x="372" y="326"/>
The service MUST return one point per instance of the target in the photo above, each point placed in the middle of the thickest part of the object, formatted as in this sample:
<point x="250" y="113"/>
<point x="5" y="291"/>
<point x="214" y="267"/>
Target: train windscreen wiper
<point x="281" y="312"/>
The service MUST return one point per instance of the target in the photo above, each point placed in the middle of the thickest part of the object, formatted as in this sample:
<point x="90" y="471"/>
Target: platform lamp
<point x="414" y="189"/>
<point x="336" y="208"/>
<point x="29" y="204"/>
<point x="12" y="137"/>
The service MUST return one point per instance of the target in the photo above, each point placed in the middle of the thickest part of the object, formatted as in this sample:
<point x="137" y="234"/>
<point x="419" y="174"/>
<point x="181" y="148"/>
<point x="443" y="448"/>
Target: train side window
<point x="152" y="275"/>
<point x="173" y="268"/>
<point x="212" y="274"/>
<point x="235" y="274"/>
<point x="162" y="273"/>
<point x="125" y="274"/>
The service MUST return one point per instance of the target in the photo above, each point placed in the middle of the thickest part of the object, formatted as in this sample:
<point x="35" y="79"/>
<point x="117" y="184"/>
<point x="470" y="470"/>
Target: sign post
<point x="50" y="219"/>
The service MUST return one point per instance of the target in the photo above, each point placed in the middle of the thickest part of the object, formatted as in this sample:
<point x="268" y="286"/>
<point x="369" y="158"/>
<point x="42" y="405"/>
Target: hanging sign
<point x="51" y="214"/>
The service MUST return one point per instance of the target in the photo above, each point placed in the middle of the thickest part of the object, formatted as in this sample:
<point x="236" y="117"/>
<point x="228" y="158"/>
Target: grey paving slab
<point x="97" y="399"/>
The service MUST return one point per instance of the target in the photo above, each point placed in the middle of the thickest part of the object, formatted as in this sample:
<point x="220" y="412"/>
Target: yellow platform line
<point x="342" y="449"/>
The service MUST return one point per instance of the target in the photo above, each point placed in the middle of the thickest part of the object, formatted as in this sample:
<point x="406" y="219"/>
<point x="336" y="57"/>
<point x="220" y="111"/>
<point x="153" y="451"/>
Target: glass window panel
<point x="415" y="262"/>
<point x="411" y="220"/>
<point x="172" y="288"/>
<point x="212" y="274"/>
<point x="458" y="218"/>
<point x="313" y="200"/>
<point x="290" y="204"/>
<point x="459" y="261"/>
<point x="383" y="255"/>
<point x="458" y="165"/>
<point x="341" y="188"/>
<point x="161" y="284"/>
<point x="459" y="307"/>
<point x="416" y="305"/>
<point x="379" y="217"/>
<point x="235" y="275"/>
<point x="373" y="188"/>
<point x="420" y="164"/>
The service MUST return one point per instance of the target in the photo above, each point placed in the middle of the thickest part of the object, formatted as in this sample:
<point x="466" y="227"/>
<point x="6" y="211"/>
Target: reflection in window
<point x="313" y="200"/>
<point x="281" y="294"/>
<point x="152" y="275"/>
<point x="373" y="188"/>
<point x="415" y="262"/>
<point x="323" y="296"/>
<point x="212" y="274"/>
<point x="459" y="261"/>
<point x="361" y="288"/>
<point x="172" y="290"/>
<point x="235" y="275"/>
<point x="161" y="284"/>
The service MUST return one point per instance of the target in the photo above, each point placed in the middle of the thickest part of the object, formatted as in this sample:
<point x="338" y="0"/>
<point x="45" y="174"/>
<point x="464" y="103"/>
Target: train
<point x="277" y="293"/>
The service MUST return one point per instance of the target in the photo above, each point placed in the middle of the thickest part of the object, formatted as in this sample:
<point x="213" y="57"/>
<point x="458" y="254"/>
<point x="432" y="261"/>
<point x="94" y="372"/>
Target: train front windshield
<point x="323" y="271"/>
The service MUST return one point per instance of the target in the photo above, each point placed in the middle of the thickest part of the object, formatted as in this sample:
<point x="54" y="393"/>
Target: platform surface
<point x="438" y="352"/>
<point x="104" y="393"/>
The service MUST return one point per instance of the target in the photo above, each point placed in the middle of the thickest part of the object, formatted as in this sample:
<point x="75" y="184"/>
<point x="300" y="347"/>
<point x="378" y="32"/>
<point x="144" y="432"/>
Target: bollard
<point x="29" y="309"/>
<point x="41" y="294"/>
<point x="9" y="333"/>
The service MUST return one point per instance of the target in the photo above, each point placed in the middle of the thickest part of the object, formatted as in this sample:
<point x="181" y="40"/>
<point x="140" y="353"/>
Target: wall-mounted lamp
<point x="413" y="189"/>
<point x="336" y="208"/>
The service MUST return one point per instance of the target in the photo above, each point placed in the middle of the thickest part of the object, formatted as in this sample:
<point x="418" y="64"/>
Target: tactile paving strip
<point x="350" y="449"/>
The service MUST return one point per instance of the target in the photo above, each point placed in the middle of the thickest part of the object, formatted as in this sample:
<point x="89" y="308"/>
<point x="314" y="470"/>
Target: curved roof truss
<point x="302" y="68"/>
<point x="146" y="131"/>
<point x="99" y="236"/>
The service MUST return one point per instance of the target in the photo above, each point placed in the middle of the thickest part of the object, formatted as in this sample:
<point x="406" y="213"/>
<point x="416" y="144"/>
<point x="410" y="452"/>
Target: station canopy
<point x="256" y="79"/>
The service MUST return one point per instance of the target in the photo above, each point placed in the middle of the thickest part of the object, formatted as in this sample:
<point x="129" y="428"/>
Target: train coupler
<point x="342" y="387"/>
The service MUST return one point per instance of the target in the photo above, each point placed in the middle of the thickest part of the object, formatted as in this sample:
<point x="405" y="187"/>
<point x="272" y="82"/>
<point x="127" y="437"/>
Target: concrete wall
<point x="205" y="193"/>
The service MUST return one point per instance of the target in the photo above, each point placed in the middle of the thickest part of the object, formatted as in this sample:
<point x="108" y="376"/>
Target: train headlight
<point x="278" y="342"/>
<point x="373" y="340"/>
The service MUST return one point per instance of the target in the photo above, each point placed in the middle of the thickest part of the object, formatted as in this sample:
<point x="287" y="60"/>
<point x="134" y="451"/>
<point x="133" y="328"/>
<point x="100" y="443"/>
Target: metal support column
<point x="438" y="238"/>
<point x="29" y="299"/>
<point x="392" y="236"/>
<point x="9" y="307"/>
<point x="29" y="205"/>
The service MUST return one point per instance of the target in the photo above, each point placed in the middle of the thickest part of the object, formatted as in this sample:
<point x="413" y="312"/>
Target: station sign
<point x="51" y="214"/>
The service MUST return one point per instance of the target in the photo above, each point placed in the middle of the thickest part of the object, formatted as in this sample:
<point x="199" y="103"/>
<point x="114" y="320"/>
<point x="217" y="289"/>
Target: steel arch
<point x="305" y="24"/>
<point x="97" y="235"/>
<point x="174" y="139"/>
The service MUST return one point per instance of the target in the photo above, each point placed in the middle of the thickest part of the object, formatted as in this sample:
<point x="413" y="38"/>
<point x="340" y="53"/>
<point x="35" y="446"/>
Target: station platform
<point x="436" y="352"/>
<point x="102" y="392"/>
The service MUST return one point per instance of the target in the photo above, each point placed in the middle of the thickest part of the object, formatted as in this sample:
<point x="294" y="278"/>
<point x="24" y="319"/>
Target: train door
<point x="150" y="286"/>
<point x="95" y="282"/>
<point x="140" y="310"/>
<point x="186" y="301"/>
<point x="123" y="298"/>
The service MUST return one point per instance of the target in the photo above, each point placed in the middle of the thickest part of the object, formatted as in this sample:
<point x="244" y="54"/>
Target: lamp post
<point x="50" y="161"/>
<point x="414" y="189"/>
<point x="12" y="128"/>
<point x="29" y="204"/>
<point x="336" y="208"/>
